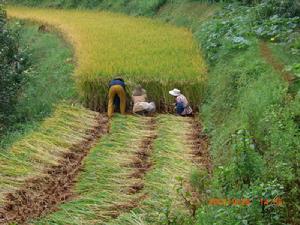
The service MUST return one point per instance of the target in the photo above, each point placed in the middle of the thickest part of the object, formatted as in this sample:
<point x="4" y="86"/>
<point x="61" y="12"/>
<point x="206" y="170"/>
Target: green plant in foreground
<point x="49" y="81"/>
<point x="13" y="62"/>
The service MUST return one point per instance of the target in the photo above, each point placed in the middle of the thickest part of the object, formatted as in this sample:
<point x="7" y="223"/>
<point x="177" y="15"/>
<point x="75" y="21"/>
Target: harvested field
<point x="172" y="160"/>
<point x="133" y="172"/>
<point x="199" y="143"/>
<point x="38" y="172"/>
<point x="138" y="168"/>
<point x="113" y="177"/>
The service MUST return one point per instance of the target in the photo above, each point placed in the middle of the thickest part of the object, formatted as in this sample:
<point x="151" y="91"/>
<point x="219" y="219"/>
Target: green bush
<point x="230" y="29"/>
<point x="13" y="62"/>
<point x="254" y="141"/>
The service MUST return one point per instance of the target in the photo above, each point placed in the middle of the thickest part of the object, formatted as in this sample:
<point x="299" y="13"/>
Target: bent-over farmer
<point x="140" y="104"/>
<point x="181" y="103"/>
<point x="116" y="96"/>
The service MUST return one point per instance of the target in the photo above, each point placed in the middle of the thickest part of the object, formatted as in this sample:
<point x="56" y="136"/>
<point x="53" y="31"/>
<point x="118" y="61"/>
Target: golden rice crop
<point x="141" y="50"/>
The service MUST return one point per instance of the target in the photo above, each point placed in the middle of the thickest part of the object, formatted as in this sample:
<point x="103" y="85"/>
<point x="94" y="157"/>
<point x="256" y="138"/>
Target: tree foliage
<point x="12" y="64"/>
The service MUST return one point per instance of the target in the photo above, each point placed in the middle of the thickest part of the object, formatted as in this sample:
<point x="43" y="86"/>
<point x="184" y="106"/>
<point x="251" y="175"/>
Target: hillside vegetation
<point x="13" y="62"/>
<point x="48" y="80"/>
<point x="133" y="7"/>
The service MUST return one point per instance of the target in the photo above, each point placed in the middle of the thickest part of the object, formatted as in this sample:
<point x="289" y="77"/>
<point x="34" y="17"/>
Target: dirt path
<point x="42" y="194"/>
<point x="267" y="54"/>
<point x="199" y="144"/>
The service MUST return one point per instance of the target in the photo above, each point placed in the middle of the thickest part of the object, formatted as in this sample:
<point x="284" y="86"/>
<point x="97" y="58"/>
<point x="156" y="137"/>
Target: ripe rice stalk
<point x="143" y="51"/>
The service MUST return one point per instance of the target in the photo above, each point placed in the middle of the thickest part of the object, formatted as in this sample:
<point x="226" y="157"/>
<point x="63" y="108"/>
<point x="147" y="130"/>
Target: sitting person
<point x="116" y="96"/>
<point x="182" y="105"/>
<point x="140" y="104"/>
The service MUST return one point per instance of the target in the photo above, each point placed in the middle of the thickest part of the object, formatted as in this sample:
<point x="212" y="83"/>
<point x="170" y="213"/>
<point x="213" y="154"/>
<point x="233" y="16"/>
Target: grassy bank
<point x="133" y="7"/>
<point x="251" y="116"/>
<point x="254" y="140"/>
<point x="159" y="57"/>
<point x="49" y="81"/>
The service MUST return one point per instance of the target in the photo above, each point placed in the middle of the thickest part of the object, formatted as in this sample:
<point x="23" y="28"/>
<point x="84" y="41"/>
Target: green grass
<point x="245" y="93"/>
<point x="102" y="183"/>
<point x="49" y="81"/>
<point x="134" y="7"/>
<point x="44" y="147"/>
<point x="186" y="13"/>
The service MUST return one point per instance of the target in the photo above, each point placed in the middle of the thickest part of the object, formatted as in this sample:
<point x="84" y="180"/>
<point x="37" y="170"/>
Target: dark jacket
<point x="117" y="82"/>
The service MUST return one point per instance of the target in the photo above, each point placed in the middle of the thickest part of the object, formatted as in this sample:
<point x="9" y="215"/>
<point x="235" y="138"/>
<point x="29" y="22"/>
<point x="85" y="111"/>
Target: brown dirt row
<point x="140" y="164"/>
<point x="200" y="146"/>
<point x="41" y="195"/>
<point x="274" y="62"/>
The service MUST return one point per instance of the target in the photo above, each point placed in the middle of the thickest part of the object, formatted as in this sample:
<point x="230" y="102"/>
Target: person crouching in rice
<point x="182" y="107"/>
<point x="140" y="104"/>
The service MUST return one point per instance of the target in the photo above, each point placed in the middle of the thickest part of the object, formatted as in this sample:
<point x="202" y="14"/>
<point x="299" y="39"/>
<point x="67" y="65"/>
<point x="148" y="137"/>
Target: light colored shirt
<point x="187" y="109"/>
<point x="140" y="104"/>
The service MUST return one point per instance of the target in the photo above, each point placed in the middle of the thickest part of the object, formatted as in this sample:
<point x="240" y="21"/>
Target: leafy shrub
<point x="245" y="165"/>
<point x="231" y="27"/>
<point x="12" y="64"/>
<point x="283" y="8"/>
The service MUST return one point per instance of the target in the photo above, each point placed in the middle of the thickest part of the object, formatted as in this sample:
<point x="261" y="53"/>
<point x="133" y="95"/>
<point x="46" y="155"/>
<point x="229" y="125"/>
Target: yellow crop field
<point x="141" y="50"/>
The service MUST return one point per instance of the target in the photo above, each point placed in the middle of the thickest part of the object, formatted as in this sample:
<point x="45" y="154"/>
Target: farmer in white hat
<point x="182" y="105"/>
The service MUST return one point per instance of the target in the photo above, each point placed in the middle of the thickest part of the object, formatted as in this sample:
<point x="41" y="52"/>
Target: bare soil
<point x="200" y="146"/>
<point x="274" y="62"/>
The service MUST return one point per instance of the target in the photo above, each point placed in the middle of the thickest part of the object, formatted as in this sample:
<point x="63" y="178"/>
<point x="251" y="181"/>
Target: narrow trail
<point x="267" y="54"/>
<point x="43" y="194"/>
<point x="199" y="144"/>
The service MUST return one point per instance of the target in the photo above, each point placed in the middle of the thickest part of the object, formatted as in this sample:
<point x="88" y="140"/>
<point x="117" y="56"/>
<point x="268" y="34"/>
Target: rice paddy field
<point x="141" y="50"/>
<point x="80" y="168"/>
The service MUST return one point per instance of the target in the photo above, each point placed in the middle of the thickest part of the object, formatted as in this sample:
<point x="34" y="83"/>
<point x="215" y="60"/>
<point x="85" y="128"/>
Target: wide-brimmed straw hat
<point x="175" y="92"/>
